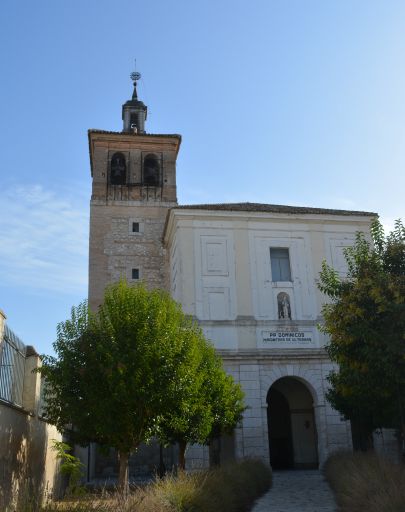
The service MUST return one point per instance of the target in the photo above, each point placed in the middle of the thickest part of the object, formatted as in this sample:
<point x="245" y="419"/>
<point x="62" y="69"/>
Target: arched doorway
<point x="291" y="424"/>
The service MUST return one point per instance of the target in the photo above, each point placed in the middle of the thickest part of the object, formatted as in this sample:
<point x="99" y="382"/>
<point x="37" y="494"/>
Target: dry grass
<point x="232" y="488"/>
<point x="364" y="481"/>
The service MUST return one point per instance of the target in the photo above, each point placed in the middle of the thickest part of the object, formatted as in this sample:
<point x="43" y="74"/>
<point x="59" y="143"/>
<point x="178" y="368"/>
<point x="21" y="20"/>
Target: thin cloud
<point x="43" y="239"/>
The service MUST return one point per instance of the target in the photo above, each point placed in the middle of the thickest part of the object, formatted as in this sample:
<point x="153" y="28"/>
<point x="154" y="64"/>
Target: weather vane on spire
<point x="135" y="76"/>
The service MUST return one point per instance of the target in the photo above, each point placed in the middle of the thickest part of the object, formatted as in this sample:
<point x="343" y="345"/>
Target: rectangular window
<point x="280" y="264"/>
<point x="135" y="273"/>
<point x="135" y="227"/>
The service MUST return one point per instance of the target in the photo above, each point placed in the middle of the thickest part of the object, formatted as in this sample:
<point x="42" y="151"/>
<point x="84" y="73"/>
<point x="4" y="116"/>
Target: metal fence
<point x="12" y="362"/>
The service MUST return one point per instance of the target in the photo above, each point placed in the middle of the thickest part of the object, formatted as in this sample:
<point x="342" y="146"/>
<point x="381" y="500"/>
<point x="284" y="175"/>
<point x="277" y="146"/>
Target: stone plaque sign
<point x="280" y="339"/>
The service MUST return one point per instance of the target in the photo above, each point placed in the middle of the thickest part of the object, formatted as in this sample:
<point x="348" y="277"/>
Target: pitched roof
<point x="271" y="208"/>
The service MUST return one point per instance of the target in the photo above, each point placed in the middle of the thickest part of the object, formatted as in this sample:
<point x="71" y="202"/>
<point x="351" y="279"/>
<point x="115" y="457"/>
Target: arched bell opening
<point x="118" y="169"/>
<point x="291" y="425"/>
<point x="151" y="170"/>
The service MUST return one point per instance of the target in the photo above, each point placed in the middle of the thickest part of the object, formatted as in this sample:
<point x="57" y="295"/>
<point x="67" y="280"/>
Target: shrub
<point x="364" y="481"/>
<point x="71" y="466"/>
<point x="232" y="488"/>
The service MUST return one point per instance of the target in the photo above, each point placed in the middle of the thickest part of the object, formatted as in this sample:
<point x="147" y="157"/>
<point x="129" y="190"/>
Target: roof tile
<point x="271" y="208"/>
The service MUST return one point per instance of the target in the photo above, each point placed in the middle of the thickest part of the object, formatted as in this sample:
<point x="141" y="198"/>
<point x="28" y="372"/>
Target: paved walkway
<point x="297" y="491"/>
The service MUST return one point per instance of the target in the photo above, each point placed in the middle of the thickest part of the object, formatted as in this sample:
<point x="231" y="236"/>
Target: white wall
<point x="221" y="273"/>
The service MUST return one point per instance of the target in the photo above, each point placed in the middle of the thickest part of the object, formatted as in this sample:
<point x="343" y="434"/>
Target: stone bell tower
<point x="133" y="186"/>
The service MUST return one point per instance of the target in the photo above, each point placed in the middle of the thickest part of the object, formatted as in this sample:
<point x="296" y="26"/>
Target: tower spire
<point x="134" y="111"/>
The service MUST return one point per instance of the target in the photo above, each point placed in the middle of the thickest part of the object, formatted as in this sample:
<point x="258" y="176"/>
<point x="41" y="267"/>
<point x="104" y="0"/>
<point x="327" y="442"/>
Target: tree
<point x="365" y="321"/>
<point x="118" y="372"/>
<point x="211" y="404"/>
<point x="227" y="405"/>
<point x="190" y="420"/>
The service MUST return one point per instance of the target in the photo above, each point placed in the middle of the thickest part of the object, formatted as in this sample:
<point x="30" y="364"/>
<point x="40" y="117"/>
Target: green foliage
<point x="225" y="397"/>
<point x="190" y="417"/>
<point x="209" y="401"/>
<point x="118" y="372"/>
<point x="70" y="466"/>
<point x="365" y="320"/>
<point x="138" y="367"/>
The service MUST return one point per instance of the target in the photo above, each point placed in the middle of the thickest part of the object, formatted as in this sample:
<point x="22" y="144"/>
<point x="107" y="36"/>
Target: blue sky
<point x="285" y="102"/>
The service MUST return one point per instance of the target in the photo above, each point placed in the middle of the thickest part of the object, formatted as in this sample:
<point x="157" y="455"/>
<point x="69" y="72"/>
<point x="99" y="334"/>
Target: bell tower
<point x="134" y="111"/>
<point x="133" y="186"/>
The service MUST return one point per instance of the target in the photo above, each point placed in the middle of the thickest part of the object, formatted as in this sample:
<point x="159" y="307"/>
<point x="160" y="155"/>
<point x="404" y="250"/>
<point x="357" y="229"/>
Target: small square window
<point x="135" y="273"/>
<point x="135" y="226"/>
<point x="280" y="264"/>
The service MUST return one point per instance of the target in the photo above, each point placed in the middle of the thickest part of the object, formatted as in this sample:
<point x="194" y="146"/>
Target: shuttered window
<point x="280" y="264"/>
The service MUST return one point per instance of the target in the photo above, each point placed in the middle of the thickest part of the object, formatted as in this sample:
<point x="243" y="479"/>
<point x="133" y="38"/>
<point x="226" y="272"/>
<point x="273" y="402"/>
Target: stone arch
<point x="297" y="371"/>
<point x="292" y="425"/>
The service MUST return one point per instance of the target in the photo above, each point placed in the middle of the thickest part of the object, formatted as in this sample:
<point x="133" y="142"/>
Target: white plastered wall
<point x="221" y="274"/>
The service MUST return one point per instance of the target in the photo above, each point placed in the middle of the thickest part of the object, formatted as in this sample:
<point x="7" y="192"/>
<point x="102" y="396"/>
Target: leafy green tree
<point x="226" y="399"/>
<point x="190" y="420"/>
<point x="118" y="372"/>
<point x="365" y="321"/>
<point x="211" y="403"/>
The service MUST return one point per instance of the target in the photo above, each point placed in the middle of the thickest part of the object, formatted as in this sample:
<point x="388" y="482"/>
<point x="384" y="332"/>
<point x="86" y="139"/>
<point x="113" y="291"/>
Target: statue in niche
<point x="284" y="306"/>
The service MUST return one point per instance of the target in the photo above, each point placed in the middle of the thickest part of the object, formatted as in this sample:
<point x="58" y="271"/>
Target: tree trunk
<point x="123" y="482"/>
<point x="162" y="467"/>
<point x="362" y="436"/>
<point x="182" y="455"/>
<point x="403" y="441"/>
<point x="402" y="421"/>
<point x="215" y="452"/>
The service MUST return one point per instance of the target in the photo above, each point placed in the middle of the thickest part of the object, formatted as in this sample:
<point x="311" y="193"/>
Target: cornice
<point x="274" y="355"/>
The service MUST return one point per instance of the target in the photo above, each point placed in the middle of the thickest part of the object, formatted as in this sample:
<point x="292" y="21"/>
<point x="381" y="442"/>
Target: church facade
<point x="247" y="272"/>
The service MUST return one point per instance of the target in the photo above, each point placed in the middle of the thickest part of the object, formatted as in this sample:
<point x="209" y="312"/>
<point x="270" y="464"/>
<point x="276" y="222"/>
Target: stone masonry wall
<point x="115" y="250"/>
<point x="256" y="378"/>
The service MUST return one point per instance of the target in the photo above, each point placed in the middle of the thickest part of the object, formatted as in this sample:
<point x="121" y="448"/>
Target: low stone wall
<point x="28" y="467"/>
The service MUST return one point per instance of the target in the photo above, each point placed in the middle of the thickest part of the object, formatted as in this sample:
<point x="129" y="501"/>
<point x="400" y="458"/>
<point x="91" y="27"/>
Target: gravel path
<point x="297" y="491"/>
